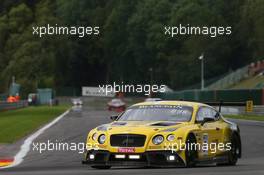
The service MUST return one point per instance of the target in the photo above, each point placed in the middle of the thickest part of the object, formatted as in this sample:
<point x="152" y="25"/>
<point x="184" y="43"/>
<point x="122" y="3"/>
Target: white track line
<point x="25" y="148"/>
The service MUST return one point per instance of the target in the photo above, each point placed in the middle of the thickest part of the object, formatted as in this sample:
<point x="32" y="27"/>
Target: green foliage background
<point x="131" y="41"/>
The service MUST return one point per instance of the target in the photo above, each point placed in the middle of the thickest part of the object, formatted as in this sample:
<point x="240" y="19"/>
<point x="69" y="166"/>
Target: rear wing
<point x="248" y="104"/>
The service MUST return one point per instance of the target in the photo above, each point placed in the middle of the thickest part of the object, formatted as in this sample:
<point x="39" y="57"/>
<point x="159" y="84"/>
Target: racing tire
<point x="101" y="167"/>
<point x="233" y="153"/>
<point x="190" y="154"/>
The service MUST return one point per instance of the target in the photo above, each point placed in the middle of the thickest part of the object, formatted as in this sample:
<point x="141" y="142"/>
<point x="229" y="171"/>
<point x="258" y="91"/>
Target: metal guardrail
<point x="9" y="106"/>
<point x="257" y="110"/>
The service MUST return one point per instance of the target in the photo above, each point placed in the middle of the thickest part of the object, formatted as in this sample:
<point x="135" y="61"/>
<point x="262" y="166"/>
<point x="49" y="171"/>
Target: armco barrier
<point x="9" y="106"/>
<point x="234" y="95"/>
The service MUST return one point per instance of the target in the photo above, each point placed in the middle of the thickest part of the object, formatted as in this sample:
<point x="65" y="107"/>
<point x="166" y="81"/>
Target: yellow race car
<point x="164" y="134"/>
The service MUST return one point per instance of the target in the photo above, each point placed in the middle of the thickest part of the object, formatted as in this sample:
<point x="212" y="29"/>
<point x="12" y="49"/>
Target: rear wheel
<point x="190" y="151"/>
<point x="233" y="154"/>
<point x="101" y="167"/>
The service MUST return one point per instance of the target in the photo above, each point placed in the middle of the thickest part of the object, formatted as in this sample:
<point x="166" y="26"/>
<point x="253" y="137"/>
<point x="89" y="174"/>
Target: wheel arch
<point x="236" y="134"/>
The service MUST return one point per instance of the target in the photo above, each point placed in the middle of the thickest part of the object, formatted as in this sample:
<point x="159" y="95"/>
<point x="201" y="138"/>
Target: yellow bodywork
<point x="216" y="132"/>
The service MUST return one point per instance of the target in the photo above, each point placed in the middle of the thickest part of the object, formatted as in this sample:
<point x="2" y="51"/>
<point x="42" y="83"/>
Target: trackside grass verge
<point x="247" y="117"/>
<point x="18" y="123"/>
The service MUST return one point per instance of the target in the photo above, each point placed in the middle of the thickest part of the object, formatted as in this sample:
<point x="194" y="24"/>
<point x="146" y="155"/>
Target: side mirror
<point x="217" y="115"/>
<point x="114" y="117"/>
<point x="207" y="119"/>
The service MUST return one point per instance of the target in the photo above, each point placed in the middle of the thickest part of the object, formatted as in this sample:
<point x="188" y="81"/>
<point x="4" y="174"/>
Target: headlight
<point x="158" y="139"/>
<point x="101" y="139"/>
<point x="94" y="136"/>
<point x="170" y="137"/>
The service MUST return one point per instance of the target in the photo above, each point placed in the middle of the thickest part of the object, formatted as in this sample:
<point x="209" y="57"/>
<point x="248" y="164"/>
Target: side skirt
<point x="218" y="159"/>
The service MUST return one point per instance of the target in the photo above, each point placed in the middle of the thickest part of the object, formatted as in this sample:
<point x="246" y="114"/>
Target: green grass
<point x="247" y="117"/>
<point x="18" y="123"/>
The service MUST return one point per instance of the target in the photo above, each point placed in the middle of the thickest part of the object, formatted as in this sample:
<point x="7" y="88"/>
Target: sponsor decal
<point x="126" y="150"/>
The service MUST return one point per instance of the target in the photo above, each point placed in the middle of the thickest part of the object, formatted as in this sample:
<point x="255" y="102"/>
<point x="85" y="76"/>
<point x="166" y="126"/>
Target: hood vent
<point x="164" y="124"/>
<point x="119" y="123"/>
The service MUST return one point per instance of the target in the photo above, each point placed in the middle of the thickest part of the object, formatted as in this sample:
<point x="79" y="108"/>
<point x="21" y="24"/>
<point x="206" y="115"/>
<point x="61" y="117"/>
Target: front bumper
<point x="148" y="158"/>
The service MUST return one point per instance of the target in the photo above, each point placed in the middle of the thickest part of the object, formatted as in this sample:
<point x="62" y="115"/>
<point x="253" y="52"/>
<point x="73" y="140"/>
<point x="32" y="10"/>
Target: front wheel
<point x="233" y="154"/>
<point x="190" y="151"/>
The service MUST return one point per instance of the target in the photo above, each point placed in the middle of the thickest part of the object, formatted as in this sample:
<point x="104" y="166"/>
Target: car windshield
<point x="158" y="113"/>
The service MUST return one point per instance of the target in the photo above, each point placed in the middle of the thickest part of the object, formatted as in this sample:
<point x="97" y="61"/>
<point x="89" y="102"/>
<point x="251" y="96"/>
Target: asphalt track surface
<point x="74" y="128"/>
